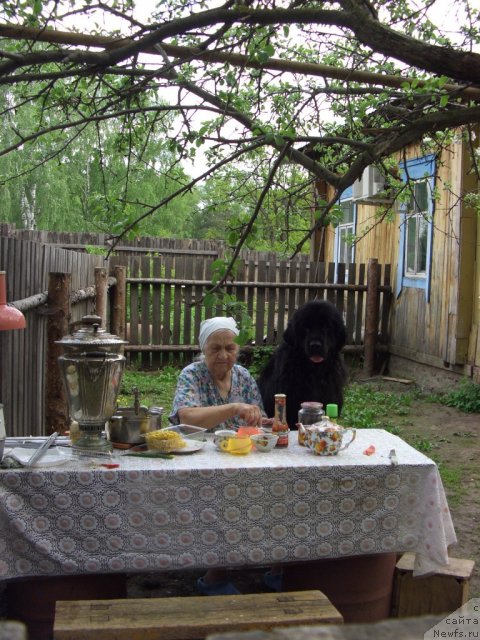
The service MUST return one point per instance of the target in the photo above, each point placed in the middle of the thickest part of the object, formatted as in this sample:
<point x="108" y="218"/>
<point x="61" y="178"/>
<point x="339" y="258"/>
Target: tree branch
<point x="235" y="59"/>
<point x="248" y="227"/>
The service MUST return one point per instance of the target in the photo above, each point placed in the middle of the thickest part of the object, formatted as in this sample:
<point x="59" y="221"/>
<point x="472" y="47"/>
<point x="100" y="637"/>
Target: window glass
<point x="416" y="230"/>
<point x="416" y="225"/>
<point x="420" y="195"/>
<point x="344" y="248"/>
<point x="422" y="246"/>
<point x="347" y="209"/>
<point x="411" y="232"/>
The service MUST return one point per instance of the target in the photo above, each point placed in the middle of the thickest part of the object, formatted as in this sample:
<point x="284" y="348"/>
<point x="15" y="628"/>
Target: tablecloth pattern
<point x="212" y="509"/>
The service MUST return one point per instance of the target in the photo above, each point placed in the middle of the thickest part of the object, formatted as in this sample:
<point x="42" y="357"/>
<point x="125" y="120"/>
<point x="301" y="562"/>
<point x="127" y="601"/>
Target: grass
<point x="366" y="408"/>
<point x="156" y="388"/>
<point x="466" y="397"/>
<point x="452" y="479"/>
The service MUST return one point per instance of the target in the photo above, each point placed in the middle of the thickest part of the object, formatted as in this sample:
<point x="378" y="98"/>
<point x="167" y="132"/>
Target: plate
<point x="52" y="458"/>
<point x="191" y="447"/>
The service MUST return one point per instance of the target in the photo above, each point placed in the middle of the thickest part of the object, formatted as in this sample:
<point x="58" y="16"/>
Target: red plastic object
<point x="10" y="317"/>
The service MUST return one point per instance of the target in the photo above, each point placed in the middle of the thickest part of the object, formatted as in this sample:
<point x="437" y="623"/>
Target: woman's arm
<point x="210" y="417"/>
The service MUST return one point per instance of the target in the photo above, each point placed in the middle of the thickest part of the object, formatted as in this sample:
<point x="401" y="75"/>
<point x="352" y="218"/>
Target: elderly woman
<point x="217" y="392"/>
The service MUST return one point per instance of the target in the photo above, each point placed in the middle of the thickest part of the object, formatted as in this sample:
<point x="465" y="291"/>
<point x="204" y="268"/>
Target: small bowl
<point x="221" y="436"/>
<point x="264" y="441"/>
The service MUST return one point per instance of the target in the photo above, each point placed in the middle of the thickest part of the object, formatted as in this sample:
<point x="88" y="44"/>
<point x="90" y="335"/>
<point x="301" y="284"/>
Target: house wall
<point x="471" y="298"/>
<point x="444" y="330"/>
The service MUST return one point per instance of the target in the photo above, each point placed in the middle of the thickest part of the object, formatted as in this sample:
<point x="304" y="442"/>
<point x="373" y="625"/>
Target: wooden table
<point x="211" y="509"/>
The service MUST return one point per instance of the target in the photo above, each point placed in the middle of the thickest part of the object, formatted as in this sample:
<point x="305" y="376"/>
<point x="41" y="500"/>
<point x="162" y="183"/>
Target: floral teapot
<point x="325" y="438"/>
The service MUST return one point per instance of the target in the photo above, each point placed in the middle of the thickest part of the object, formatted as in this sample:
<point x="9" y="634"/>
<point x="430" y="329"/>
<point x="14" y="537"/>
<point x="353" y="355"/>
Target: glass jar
<point x="310" y="413"/>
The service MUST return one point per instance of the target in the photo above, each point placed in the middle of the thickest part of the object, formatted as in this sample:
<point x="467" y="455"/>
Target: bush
<point x="465" y="398"/>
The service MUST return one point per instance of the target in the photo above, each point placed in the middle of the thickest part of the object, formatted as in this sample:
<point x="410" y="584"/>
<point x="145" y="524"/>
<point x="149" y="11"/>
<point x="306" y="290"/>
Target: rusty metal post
<point x="118" y="302"/>
<point x="58" y="318"/>
<point x="371" y="316"/>
<point x="101" y="294"/>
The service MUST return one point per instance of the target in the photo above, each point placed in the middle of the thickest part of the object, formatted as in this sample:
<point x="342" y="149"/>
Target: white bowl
<point x="264" y="441"/>
<point x="221" y="436"/>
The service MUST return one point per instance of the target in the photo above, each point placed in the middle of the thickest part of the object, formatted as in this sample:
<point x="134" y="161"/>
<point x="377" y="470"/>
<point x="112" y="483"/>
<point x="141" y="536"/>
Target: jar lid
<point x="311" y="406"/>
<point x="89" y="333"/>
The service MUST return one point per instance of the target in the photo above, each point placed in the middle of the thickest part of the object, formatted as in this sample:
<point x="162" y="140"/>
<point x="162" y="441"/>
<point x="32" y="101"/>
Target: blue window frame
<point x="416" y="226"/>
<point x="344" y="250"/>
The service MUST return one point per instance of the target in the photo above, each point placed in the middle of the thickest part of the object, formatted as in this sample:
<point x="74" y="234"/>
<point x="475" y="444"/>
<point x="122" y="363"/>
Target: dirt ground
<point x="450" y="437"/>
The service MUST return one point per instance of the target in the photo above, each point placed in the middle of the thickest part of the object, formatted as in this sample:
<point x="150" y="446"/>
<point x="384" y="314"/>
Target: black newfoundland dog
<point x="306" y="365"/>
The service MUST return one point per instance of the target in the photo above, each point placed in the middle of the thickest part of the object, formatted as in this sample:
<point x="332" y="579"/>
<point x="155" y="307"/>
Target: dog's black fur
<point x="307" y="365"/>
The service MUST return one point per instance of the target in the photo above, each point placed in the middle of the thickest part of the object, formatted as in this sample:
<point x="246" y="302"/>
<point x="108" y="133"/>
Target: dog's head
<point x="316" y="329"/>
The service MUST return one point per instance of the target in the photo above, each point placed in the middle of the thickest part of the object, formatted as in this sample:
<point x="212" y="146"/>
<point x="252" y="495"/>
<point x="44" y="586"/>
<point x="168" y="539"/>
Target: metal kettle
<point x="92" y="369"/>
<point x="128" y="425"/>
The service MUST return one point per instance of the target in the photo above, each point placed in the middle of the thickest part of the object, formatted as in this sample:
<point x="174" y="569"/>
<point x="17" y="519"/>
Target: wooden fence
<point x="162" y="315"/>
<point x="84" y="241"/>
<point x="23" y="353"/>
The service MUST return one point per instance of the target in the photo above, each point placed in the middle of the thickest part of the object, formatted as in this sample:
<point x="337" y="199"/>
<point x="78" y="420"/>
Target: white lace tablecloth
<point x="213" y="509"/>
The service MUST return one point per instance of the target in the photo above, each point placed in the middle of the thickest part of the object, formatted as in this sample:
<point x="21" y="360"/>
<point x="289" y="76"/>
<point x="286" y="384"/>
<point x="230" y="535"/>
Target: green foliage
<point x="222" y="303"/>
<point x="466" y="397"/>
<point x="260" y="357"/>
<point x="156" y="389"/>
<point x="473" y="200"/>
<point x="89" y="179"/>
<point x="99" y="251"/>
<point x="422" y="444"/>
<point x="365" y="408"/>
<point x="228" y="201"/>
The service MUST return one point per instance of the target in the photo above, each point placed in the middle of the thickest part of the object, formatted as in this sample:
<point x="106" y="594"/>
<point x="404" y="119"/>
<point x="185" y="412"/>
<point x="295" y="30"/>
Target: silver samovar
<point x="92" y="370"/>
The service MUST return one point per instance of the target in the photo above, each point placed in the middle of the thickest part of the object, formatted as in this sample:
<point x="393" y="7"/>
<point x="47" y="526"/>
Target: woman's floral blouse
<point x="195" y="388"/>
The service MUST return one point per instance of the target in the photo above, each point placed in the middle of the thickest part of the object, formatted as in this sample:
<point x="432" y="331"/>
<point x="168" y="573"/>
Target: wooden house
<point x="433" y="245"/>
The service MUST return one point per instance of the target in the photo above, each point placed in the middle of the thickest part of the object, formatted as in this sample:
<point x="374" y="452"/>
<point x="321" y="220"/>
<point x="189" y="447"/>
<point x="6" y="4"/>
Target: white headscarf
<point x="211" y="325"/>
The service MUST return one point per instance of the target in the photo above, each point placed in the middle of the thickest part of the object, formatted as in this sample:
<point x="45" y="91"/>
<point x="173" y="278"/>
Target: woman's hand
<point x="250" y="413"/>
<point x="211" y="417"/>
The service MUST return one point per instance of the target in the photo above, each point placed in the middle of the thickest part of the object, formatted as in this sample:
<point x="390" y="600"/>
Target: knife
<point x="33" y="442"/>
<point x="41" y="450"/>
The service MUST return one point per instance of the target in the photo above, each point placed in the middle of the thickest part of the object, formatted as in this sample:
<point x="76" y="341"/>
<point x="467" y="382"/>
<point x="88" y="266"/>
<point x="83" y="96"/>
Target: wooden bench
<point x="441" y="592"/>
<point x="391" y="629"/>
<point x="12" y="630"/>
<point x="189" y="618"/>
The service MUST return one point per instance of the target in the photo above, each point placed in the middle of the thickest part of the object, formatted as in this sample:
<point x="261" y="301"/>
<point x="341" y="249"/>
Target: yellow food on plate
<point x="165" y="440"/>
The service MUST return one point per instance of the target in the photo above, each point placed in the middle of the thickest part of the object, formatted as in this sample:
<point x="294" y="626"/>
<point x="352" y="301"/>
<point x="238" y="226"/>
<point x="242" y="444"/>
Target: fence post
<point x="119" y="298"/>
<point x="101" y="294"/>
<point x="371" y="316"/>
<point x="56" y="410"/>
